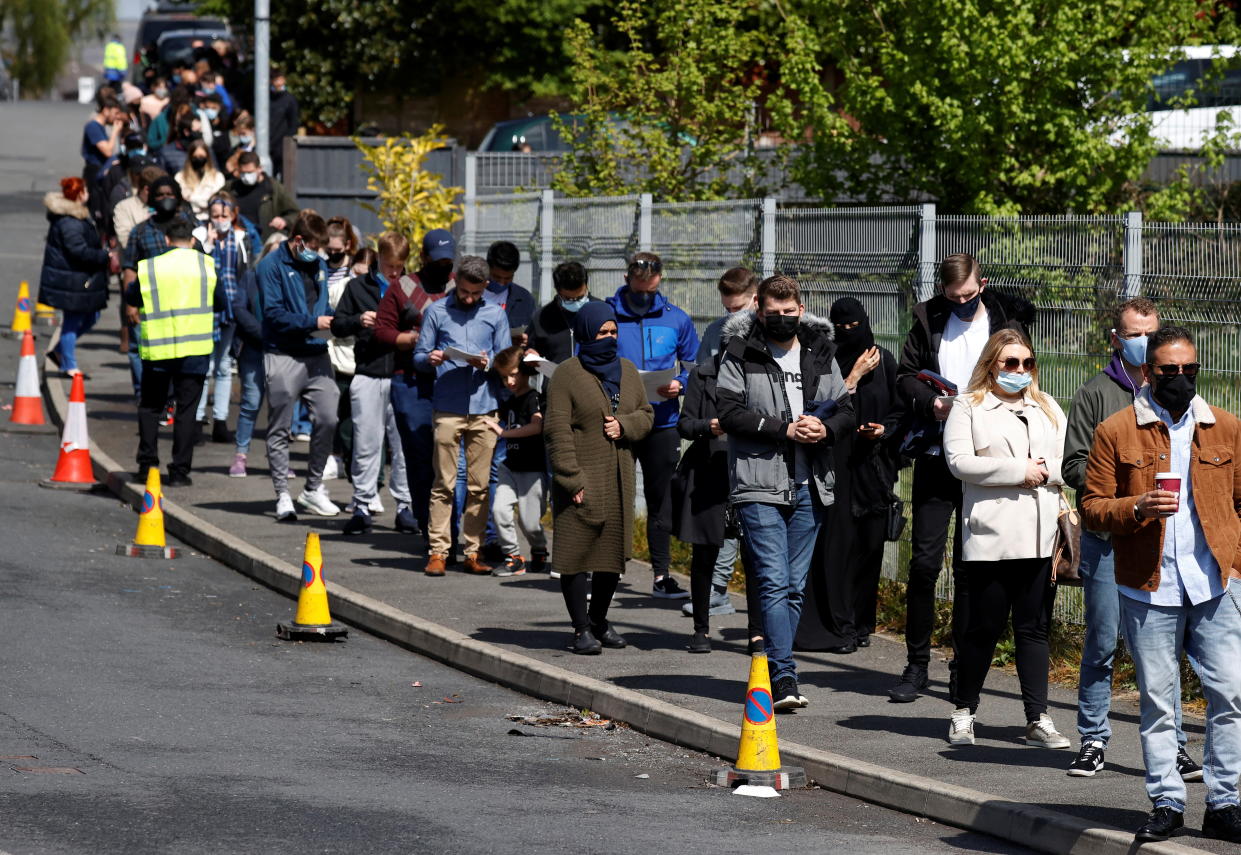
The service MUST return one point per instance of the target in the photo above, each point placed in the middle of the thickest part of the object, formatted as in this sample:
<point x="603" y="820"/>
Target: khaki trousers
<point x="451" y="430"/>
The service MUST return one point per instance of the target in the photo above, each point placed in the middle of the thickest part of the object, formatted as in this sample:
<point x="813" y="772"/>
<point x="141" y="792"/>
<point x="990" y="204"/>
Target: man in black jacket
<point x="284" y="121"/>
<point x="948" y="336"/>
<point x="551" y="331"/>
<point x="503" y="259"/>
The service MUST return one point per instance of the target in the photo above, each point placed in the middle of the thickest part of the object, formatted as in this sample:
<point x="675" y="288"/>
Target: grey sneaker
<point x="317" y="501"/>
<point x="1043" y="732"/>
<point x="720" y="604"/>
<point x="961" y="727"/>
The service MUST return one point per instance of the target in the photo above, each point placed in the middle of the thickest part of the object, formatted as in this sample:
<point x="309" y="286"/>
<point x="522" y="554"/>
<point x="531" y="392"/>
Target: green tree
<point x="673" y="104"/>
<point x="990" y="107"/>
<point x="43" y="34"/>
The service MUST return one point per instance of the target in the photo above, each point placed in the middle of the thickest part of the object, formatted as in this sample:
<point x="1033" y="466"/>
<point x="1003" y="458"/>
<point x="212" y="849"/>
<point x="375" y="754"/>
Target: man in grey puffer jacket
<point x="782" y="402"/>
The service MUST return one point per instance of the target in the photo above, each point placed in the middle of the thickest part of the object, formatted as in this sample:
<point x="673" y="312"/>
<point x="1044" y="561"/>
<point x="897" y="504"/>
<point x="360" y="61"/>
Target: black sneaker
<point x="700" y="643"/>
<point x="359" y="523"/>
<point x="1223" y="824"/>
<point x="405" y="521"/>
<point x="1190" y="771"/>
<point x="221" y="434"/>
<point x="492" y="553"/>
<point x="666" y="588"/>
<point x="538" y="562"/>
<point x="1162" y="822"/>
<point x="785" y="695"/>
<point x="757" y="645"/>
<point x="178" y="479"/>
<point x="1089" y="760"/>
<point x="913" y="681"/>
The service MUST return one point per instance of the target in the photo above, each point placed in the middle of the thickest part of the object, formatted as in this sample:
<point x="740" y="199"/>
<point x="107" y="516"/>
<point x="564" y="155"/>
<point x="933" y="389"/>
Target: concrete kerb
<point x="1027" y="825"/>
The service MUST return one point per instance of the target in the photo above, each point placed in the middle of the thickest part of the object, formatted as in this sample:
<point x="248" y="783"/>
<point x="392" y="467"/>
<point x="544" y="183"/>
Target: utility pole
<point x="262" y="82"/>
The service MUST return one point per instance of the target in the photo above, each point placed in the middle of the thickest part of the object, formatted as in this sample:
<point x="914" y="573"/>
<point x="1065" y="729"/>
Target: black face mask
<point x="165" y="207"/>
<point x="434" y="278"/>
<point x="968" y="309"/>
<point x="199" y="163"/>
<point x="780" y="327"/>
<point x="335" y="258"/>
<point x="1174" y="393"/>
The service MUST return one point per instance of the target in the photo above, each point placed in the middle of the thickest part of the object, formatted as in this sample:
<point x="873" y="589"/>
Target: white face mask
<point x="250" y="178"/>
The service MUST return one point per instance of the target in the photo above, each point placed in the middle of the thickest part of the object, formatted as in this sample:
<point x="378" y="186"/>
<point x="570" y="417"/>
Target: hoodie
<point x="656" y="340"/>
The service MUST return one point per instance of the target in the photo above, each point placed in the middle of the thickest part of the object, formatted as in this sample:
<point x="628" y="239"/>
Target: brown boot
<point x="435" y="565"/>
<point x="474" y="565"/>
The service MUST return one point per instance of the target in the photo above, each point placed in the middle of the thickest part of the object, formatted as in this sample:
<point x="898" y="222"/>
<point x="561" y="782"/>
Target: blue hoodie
<point x="482" y="328"/>
<point x="656" y="341"/>
<point x="287" y="321"/>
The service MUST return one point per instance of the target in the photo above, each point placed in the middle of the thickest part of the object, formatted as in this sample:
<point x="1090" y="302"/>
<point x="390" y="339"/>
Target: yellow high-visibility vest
<point x="176" y="318"/>
<point x="114" y="57"/>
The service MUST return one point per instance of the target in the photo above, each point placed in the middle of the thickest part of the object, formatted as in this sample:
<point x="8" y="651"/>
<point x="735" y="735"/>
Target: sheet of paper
<point x="544" y="366"/>
<point x="455" y="354"/>
<point x="652" y="380"/>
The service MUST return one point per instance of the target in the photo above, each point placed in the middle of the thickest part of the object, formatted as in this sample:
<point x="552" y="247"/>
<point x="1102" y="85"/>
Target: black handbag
<point x="896" y="520"/>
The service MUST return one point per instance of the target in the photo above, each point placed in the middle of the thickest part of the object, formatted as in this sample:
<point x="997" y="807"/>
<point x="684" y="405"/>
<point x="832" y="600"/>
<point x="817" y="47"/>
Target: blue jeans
<point x="72" y="325"/>
<point x="301" y="419"/>
<point x="781" y="539"/>
<point x="253" y="379"/>
<point x="222" y="371"/>
<point x="135" y="361"/>
<point x="413" y="422"/>
<point x="1094" y="682"/>
<point x="1210" y="633"/>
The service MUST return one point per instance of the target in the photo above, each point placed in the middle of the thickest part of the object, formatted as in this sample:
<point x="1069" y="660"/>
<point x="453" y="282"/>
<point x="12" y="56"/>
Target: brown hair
<point x="508" y="359"/>
<point x="342" y="228"/>
<point x="243" y="120"/>
<point x="393" y="246"/>
<point x="644" y="265"/>
<point x="148" y="175"/>
<point x="778" y="287"/>
<point x="957" y="269"/>
<point x="738" y="282"/>
<point x="309" y="226"/>
<point x="982" y="381"/>
<point x="1144" y="306"/>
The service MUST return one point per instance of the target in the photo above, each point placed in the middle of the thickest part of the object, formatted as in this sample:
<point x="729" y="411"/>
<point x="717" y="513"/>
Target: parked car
<point x="153" y="25"/>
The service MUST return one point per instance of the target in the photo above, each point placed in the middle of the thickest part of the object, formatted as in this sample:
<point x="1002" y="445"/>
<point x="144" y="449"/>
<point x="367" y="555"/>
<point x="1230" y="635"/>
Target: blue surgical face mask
<point x="245" y="140"/>
<point x="307" y="256"/>
<point x="965" y="311"/>
<point x="574" y="305"/>
<point x="1133" y="350"/>
<point x="212" y="113"/>
<point x="176" y="80"/>
<point x="209" y="89"/>
<point x="1012" y="382"/>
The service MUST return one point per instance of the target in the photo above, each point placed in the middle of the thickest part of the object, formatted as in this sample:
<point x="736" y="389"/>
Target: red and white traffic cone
<point x="27" y="401"/>
<point x="73" y="467"/>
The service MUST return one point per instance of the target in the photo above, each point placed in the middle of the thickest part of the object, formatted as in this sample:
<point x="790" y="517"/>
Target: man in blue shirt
<point x="463" y="399"/>
<point x="1163" y="478"/>
<point x="656" y="335"/>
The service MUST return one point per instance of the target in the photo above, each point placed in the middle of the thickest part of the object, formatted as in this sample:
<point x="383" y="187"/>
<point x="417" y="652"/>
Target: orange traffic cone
<point x="27" y="402"/>
<point x="74" y="467"/>
<point x="149" y="541"/>
<point x="21" y="311"/>
<point x="758" y="766"/>
<point x="313" y="620"/>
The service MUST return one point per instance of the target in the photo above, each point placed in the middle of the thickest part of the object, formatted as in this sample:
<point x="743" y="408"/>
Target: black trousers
<point x="865" y="567"/>
<point x="936" y="498"/>
<point x="701" y="569"/>
<point x="658" y="454"/>
<point x="1022" y="587"/>
<point x="161" y="379"/>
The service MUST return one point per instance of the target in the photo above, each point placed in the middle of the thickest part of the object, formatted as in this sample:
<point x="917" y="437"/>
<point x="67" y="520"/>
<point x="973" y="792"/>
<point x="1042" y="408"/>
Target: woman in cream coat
<point x="1004" y="440"/>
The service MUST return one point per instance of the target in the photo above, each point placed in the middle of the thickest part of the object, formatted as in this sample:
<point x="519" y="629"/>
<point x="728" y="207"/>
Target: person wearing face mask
<point x="131" y="211"/>
<point x="342" y="243"/>
<point x="551" y="330"/>
<point x="153" y="103"/>
<point x="782" y="402"/>
<point x="1004" y="440"/>
<point x="1107" y="393"/>
<point x="398" y="325"/>
<point x="948" y="335"/>
<point x="199" y="179"/>
<point x="292" y="283"/>
<point x="1162" y="479"/>
<point x="263" y="200"/>
<point x="242" y="141"/>
<point x="596" y="410"/>
<point x="655" y="335"/>
<point x="503" y="259"/>
<point x="284" y="119"/>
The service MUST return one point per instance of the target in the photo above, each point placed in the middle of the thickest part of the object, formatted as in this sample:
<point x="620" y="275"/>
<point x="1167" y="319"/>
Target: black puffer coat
<point x="75" y="265"/>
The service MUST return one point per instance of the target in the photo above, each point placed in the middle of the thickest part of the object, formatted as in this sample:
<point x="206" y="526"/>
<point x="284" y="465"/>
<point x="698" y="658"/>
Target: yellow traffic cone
<point x="149" y="541"/>
<point x="313" y="619"/>
<point x="758" y="753"/>
<point x="21" y="311"/>
<point x="44" y="315"/>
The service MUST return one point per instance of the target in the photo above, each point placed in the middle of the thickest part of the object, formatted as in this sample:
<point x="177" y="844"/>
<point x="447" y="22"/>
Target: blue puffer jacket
<point x="656" y="341"/>
<point x="287" y="321"/>
<point x="75" y="265"/>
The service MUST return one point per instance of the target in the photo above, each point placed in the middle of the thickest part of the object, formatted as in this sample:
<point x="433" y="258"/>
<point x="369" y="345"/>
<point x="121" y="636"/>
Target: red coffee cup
<point x="1171" y="482"/>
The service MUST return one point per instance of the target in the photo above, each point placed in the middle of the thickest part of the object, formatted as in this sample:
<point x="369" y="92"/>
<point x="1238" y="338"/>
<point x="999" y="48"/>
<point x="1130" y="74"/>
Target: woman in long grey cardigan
<point x="596" y="408"/>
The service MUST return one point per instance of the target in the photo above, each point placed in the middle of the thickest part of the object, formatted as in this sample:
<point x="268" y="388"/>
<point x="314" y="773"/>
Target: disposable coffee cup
<point x="1171" y="482"/>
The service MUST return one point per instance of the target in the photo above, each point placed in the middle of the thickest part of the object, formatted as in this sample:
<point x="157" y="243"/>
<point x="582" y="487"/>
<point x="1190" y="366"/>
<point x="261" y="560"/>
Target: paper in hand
<point x="456" y="354"/>
<point x="654" y="380"/>
<point x="544" y="366"/>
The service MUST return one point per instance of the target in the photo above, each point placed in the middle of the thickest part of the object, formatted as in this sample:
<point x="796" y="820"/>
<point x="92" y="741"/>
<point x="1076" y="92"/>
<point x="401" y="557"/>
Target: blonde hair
<point x="982" y="381"/>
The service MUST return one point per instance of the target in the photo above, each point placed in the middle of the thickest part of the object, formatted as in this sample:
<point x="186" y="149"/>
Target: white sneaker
<point x="1043" y="732"/>
<point x="284" y="508"/>
<point x="961" y="727"/>
<point x="375" y="505"/>
<point x="333" y="468"/>
<point x="318" y="502"/>
<point x="300" y="437"/>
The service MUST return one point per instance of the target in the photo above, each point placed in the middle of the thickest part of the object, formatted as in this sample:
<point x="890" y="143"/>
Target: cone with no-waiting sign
<point x="44" y="315"/>
<point x="27" y="401"/>
<point x="313" y="621"/>
<point x="758" y="753"/>
<point x="21" y="311"/>
<point x="149" y="541"/>
<point x="73" y="469"/>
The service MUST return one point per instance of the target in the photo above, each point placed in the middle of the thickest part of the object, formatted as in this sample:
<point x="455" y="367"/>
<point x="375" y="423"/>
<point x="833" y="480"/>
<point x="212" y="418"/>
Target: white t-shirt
<point x="789" y="362"/>
<point x="961" y="346"/>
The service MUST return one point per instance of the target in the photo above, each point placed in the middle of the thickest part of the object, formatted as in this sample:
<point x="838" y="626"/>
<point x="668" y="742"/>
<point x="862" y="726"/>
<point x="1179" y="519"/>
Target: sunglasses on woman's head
<point x="1013" y="363"/>
<point x="1189" y="369"/>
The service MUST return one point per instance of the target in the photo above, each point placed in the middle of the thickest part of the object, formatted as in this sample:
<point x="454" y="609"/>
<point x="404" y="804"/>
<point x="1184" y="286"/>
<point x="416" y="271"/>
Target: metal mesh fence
<point x="600" y="233"/>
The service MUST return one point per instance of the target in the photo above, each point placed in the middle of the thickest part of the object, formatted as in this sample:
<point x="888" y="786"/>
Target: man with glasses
<point x="655" y="336"/>
<point x="1108" y="392"/>
<point x="1163" y="479"/>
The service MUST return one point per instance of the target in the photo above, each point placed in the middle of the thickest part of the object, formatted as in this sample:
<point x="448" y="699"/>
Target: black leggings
<point x="1022" y="586"/>
<point x="601" y="586"/>
<point x="701" y="571"/>
<point x="658" y="454"/>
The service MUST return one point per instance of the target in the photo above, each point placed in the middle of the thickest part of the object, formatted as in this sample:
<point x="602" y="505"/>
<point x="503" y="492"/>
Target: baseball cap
<point x="438" y="245"/>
